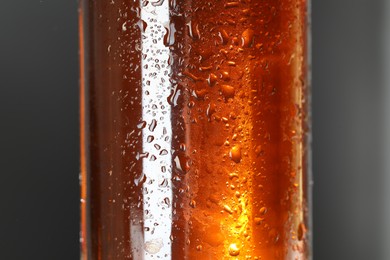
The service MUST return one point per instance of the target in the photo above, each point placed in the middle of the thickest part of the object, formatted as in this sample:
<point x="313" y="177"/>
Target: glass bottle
<point x="194" y="129"/>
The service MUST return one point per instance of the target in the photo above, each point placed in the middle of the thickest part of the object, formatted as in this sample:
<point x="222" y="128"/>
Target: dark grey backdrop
<point x="39" y="129"/>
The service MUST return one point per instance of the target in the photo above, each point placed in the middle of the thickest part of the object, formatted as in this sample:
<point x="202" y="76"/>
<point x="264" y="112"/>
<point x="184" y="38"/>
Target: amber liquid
<point x="194" y="129"/>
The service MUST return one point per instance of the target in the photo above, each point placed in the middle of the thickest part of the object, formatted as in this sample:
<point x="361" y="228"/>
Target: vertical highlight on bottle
<point x="195" y="129"/>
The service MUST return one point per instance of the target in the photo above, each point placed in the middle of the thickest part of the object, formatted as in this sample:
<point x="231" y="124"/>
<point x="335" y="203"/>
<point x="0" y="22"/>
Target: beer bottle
<point x="194" y="129"/>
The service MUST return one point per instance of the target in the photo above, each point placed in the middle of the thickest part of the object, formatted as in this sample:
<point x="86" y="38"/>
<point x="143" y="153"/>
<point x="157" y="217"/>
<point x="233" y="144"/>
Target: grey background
<point x="39" y="163"/>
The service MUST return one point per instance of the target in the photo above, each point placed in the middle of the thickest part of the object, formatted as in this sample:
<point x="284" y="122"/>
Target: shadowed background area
<point x="39" y="155"/>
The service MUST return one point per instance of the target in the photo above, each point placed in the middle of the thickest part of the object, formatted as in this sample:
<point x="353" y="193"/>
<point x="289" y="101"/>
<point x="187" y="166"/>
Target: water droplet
<point x="234" y="250"/>
<point x="163" y="183"/>
<point x="235" y="153"/>
<point x="225" y="75"/>
<point x="247" y="38"/>
<point x="124" y="27"/>
<point x="139" y="181"/>
<point x="200" y="94"/>
<point x="210" y="110"/>
<point x="158" y="3"/>
<point x="182" y="163"/>
<point x="164" y="152"/>
<point x="153" y="246"/>
<point x="142" y="25"/>
<point x="224" y="37"/>
<point x="258" y="220"/>
<point x="231" y="4"/>
<point x="153" y="125"/>
<point x="212" y="79"/>
<point x="169" y="37"/>
<point x="227" y="209"/>
<point x="142" y="155"/>
<point x="174" y="96"/>
<point x="191" y="104"/>
<point x="246" y="12"/>
<point x="191" y="76"/>
<point x="263" y="210"/>
<point x="273" y="235"/>
<point x="199" y="247"/>
<point x="258" y="150"/>
<point x="301" y="231"/>
<point x="167" y="201"/>
<point x="228" y="91"/>
<point x="205" y="68"/>
<point x="141" y="125"/>
<point x="192" y="204"/>
<point x="150" y="138"/>
<point x="193" y="30"/>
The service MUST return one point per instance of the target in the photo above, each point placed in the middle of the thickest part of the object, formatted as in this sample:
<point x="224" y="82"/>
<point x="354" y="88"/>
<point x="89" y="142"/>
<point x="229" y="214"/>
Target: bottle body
<point x="194" y="130"/>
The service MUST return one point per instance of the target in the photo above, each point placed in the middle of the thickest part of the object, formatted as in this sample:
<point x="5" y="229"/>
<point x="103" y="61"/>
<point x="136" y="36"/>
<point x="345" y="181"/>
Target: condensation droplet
<point x="193" y="30"/>
<point x="212" y="79"/>
<point x="158" y="3"/>
<point x="169" y="37"/>
<point x="164" y="152"/>
<point x="163" y="183"/>
<point x="142" y="25"/>
<point x="228" y="91"/>
<point x="142" y="155"/>
<point x="153" y="125"/>
<point x="231" y="4"/>
<point x="141" y="125"/>
<point x="263" y="210"/>
<point x="235" y="153"/>
<point x="139" y="181"/>
<point x="247" y="38"/>
<point x="182" y="163"/>
<point x="211" y="108"/>
<point x="153" y="246"/>
<point x="150" y="138"/>
<point x="174" y="96"/>
<point x="258" y="220"/>
<point x="258" y="150"/>
<point x="273" y="235"/>
<point x="301" y="231"/>
<point x="124" y="27"/>
<point x="192" y="203"/>
<point x="228" y="209"/>
<point x="224" y="37"/>
<point x="225" y="75"/>
<point x="182" y="147"/>
<point x="234" y="250"/>
<point x="167" y="201"/>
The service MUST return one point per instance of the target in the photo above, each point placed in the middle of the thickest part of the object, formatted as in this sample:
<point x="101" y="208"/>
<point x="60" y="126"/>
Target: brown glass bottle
<point x="194" y="129"/>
